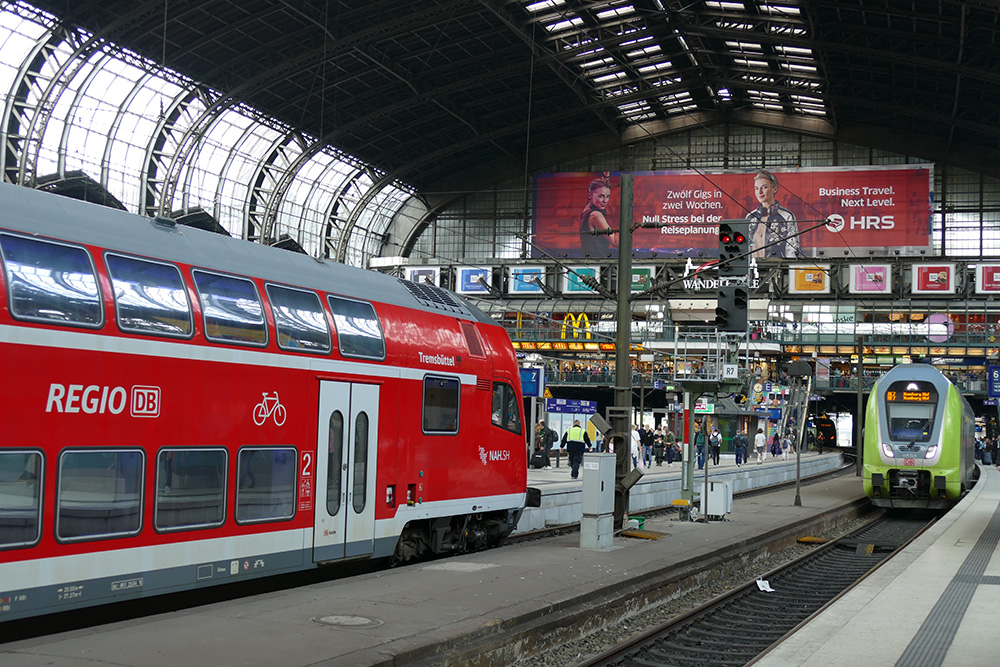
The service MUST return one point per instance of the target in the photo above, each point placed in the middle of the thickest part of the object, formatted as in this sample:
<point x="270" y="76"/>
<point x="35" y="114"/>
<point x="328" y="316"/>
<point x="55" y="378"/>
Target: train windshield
<point x="910" y="408"/>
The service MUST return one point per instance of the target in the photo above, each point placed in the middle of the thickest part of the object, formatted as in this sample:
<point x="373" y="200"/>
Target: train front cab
<point x="913" y="452"/>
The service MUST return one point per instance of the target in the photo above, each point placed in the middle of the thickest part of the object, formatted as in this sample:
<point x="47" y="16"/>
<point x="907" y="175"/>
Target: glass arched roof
<point x="160" y="143"/>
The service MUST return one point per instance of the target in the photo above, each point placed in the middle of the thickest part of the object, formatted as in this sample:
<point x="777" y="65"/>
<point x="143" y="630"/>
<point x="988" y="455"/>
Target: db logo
<point x="145" y="401"/>
<point x="834" y="222"/>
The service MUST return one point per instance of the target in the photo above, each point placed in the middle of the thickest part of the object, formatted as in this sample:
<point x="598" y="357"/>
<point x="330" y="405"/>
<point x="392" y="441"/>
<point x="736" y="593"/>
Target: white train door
<point x="345" y="470"/>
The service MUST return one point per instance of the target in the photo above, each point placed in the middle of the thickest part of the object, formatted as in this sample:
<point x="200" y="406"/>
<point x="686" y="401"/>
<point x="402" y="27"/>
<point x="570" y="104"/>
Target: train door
<point x="345" y="470"/>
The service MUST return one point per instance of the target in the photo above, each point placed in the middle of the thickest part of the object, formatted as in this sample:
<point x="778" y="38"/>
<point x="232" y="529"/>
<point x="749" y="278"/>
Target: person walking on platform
<point x="636" y="446"/>
<point x="786" y="446"/>
<point x="669" y="444"/>
<point x="658" y="446"/>
<point x="699" y="447"/>
<point x="575" y="440"/>
<point x="759" y="443"/>
<point x="740" y="443"/>
<point x="546" y="438"/>
<point x="716" y="441"/>
<point x="646" y="439"/>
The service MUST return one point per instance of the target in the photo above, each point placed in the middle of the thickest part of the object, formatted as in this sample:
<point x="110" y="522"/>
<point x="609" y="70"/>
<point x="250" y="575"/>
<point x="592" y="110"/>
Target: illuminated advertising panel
<point x="865" y="208"/>
<point x="933" y="279"/>
<point x="467" y="280"/>
<point x="572" y="283"/>
<point x="809" y="279"/>
<point x="642" y="277"/>
<point x="425" y="275"/>
<point x="988" y="278"/>
<point x="870" y="278"/>
<point x="525" y="279"/>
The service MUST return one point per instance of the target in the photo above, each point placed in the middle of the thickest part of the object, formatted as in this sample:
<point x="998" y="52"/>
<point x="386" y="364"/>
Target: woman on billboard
<point x="594" y="218"/>
<point x="771" y="224"/>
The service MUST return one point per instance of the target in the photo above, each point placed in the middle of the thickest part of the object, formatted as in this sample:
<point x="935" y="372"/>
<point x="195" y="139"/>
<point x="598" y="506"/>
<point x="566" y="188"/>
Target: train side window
<point x="150" y="297"/>
<point x="359" y="333"/>
<point x="99" y="493"/>
<point x="190" y="488"/>
<point x="266" y="484"/>
<point x="440" y="405"/>
<point x="505" y="408"/>
<point x="335" y="454"/>
<point x="231" y="308"/>
<point x="300" y="320"/>
<point x="20" y="498"/>
<point x="51" y="282"/>
<point x="360" y="463"/>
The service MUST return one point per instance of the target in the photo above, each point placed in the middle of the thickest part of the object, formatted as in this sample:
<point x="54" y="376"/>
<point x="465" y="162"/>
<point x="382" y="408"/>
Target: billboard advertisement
<point x="870" y="279"/>
<point x="809" y="279"/>
<point x="525" y="279"/>
<point x="988" y="279"/>
<point x="793" y="213"/>
<point x="932" y="279"/>
<point x="467" y="280"/>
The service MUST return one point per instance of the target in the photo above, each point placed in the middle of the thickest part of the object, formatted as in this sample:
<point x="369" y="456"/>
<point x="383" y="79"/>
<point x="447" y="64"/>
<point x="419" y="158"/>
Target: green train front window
<point x="910" y="407"/>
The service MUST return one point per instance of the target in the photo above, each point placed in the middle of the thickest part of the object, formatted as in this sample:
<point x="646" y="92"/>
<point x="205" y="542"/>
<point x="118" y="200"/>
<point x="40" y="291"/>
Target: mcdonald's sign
<point x="576" y="323"/>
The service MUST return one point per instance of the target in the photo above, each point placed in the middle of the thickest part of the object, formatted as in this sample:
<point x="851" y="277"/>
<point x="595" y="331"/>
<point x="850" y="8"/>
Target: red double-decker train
<point x="182" y="409"/>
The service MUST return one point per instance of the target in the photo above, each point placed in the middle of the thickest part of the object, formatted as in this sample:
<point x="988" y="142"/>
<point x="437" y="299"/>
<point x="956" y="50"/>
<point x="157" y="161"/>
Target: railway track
<point x="734" y="629"/>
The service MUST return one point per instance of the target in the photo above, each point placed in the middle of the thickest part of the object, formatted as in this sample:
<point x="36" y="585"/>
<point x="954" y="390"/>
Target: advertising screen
<point x="793" y="213"/>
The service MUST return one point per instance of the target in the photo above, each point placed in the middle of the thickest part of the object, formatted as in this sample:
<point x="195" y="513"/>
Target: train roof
<point x="39" y="213"/>
<point x="924" y="372"/>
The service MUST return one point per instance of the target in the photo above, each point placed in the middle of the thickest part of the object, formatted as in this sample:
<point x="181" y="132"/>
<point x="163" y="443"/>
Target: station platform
<point x="933" y="604"/>
<point x="461" y="610"/>
<point x="661" y="485"/>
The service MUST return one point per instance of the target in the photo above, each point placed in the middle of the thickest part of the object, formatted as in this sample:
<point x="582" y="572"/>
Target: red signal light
<point x="725" y="238"/>
<point x="740" y="238"/>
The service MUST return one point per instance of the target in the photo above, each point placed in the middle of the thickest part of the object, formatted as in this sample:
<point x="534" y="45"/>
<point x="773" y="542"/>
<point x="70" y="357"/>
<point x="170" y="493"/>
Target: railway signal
<point x="734" y="265"/>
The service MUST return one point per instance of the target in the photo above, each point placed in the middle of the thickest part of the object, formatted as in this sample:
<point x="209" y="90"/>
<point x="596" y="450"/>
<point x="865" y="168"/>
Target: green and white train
<point x="919" y="442"/>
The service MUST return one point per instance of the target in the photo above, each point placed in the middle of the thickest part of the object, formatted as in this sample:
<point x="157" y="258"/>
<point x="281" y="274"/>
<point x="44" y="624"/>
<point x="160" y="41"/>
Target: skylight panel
<point x="656" y="67"/>
<point x="744" y="46"/>
<point x="622" y="10"/>
<point x="563" y="25"/>
<point x="590" y="64"/>
<point x="536" y="7"/>
<point x="785" y="29"/>
<point x="748" y="62"/>
<point x="613" y="76"/>
<point x="782" y="10"/>
<point x="734" y="25"/>
<point x="644" y="51"/>
<point x="796" y="67"/>
<point x="725" y="5"/>
<point x="794" y="51"/>
<point x="643" y="37"/>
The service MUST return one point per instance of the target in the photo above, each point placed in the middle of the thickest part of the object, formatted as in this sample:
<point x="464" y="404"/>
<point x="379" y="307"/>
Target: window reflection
<point x="51" y="282"/>
<point x="300" y="320"/>
<point x="149" y="296"/>
<point x="231" y="308"/>
<point x="358" y="330"/>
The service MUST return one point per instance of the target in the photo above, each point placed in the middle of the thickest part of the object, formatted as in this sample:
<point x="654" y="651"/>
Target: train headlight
<point x="887" y="450"/>
<point x="931" y="452"/>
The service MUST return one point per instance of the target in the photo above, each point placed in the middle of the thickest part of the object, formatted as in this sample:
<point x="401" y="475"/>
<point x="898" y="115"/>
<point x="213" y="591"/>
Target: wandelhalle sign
<point x="866" y="208"/>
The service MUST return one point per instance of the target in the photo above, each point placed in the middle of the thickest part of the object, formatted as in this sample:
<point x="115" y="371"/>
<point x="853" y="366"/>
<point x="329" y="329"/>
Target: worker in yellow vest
<point x="576" y="441"/>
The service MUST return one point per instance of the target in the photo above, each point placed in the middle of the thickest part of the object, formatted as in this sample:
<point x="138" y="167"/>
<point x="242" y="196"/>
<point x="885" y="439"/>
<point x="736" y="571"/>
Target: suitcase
<point x="987" y="458"/>
<point x="537" y="460"/>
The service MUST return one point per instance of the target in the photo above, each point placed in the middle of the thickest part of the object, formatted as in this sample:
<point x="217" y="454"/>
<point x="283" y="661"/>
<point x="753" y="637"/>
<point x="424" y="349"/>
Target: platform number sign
<point x="994" y="375"/>
<point x="533" y="381"/>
